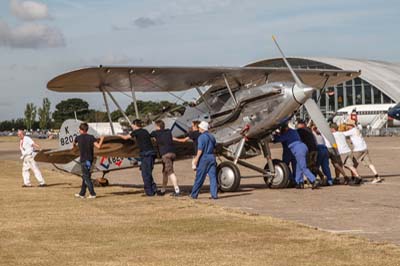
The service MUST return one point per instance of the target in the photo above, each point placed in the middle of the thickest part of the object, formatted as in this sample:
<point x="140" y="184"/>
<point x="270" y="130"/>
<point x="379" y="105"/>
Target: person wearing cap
<point x="205" y="162"/>
<point x="292" y="139"/>
<point x="360" y="149"/>
<point x="147" y="155"/>
<point x="345" y="157"/>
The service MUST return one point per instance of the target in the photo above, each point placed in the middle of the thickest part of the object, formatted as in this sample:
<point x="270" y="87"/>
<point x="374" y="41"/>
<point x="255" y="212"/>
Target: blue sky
<point x="40" y="39"/>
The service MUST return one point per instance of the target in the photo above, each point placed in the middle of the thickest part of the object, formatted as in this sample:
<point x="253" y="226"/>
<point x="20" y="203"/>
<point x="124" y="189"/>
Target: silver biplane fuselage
<point x="262" y="108"/>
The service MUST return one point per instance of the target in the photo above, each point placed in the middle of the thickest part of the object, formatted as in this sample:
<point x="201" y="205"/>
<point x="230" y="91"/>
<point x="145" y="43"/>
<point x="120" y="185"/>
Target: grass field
<point x="48" y="226"/>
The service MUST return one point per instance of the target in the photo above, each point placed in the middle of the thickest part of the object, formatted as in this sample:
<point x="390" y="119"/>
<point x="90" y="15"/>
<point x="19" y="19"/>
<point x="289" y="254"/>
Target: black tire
<point x="282" y="177"/>
<point x="228" y="176"/>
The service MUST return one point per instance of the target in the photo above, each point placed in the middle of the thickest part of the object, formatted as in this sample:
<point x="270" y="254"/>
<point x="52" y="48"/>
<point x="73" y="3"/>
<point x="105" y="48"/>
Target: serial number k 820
<point x="67" y="139"/>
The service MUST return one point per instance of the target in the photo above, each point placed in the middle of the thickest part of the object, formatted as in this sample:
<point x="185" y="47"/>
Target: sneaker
<point x="26" y="185"/>
<point x="377" y="180"/>
<point x="160" y="193"/>
<point x="175" y="194"/>
<point x="43" y="185"/>
<point x="92" y="197"/>
<point x="300" y="185"/>
<point x="77" y="195"/>
<point x="330" y="183"/>
<point x="315" y="184"/>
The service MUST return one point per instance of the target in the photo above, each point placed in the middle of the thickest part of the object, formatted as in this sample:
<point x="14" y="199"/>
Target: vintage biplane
<point x="243" y="105"/>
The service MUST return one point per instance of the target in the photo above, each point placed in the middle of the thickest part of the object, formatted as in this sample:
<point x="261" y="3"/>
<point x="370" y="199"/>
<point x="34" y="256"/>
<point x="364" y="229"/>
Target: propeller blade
<point x="319" y="120"/>
<point x="295" y="77"/>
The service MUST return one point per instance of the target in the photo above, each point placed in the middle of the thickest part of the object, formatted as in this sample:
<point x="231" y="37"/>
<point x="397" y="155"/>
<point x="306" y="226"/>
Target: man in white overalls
<point x="27" y="145"/>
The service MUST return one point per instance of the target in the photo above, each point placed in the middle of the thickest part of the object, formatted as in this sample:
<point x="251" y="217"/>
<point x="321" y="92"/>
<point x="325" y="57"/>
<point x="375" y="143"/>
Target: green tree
<point x="30" y="115"/>
<point x="66" y="110"/>
<point x="44" y="114"/>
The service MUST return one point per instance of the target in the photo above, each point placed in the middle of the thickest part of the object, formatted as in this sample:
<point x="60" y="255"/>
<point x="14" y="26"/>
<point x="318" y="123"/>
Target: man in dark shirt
<point x="192" y="135"/>
<point x="307" y="137"/>
<point x="86" y="143"/>
<point x="147" y="155"/>
<point x="167" y="151"/>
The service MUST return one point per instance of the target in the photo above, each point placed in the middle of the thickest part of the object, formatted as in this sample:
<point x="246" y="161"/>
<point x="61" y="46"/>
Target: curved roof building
<point x="379" y="81"/>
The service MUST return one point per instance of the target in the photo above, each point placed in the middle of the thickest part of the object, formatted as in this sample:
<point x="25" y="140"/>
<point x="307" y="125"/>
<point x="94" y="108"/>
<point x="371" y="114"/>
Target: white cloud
<point x="29" y="10"/>
<point x="30" y="35"/>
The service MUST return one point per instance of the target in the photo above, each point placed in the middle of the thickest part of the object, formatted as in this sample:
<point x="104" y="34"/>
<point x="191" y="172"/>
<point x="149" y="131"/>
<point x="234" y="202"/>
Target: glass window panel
<point x="377" y="96"/>
<point x="358" y="95"/>
<point x="349" y="95"/>
<point x="386" y="99"/>
<point x="357" y="81"/>
<point x="368" y="95"/>
<point x="340" y="99"/>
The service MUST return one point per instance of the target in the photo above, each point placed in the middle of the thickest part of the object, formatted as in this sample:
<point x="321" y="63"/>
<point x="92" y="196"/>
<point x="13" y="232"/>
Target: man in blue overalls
<point x="289" y="159"/>
<point x="291" y="138"/>
<point x="205" y="162"/>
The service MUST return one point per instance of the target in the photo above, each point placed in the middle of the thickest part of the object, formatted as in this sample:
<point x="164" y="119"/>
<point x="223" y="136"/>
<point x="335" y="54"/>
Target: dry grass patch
<point x="48" y="226"/>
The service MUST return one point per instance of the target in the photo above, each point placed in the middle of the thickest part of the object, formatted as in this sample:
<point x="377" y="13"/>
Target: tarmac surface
<point x="371" y="211"/>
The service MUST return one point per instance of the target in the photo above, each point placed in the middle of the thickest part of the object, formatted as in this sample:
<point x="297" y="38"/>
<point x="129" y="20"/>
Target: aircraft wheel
<point x="228" y="176"/>
<point x="282" y="175"/>
<point x="102" y="182"/>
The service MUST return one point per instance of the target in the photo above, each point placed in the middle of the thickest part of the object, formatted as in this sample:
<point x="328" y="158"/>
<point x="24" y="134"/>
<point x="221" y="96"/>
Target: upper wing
<point x="162" y="79"/>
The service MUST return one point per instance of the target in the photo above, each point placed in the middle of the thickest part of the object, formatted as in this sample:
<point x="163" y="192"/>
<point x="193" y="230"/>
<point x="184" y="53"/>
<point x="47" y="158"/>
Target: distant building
<point x="378" y="83"/>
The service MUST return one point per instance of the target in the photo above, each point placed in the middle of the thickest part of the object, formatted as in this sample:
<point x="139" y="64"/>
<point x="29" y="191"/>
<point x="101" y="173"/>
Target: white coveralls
<point x="26" y="147"/>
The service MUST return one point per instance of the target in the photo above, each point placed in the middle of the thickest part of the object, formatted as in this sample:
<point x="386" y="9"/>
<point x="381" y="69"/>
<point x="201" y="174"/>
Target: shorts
<point x="168" y="163"/>
<point x="347" y="159"/>
<point x="362" y="156"/>
<point x="336" y="159"/>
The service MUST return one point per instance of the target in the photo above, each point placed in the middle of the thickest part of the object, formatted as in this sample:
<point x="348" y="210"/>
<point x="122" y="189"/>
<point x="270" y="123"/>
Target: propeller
<point x="302" y="94"/>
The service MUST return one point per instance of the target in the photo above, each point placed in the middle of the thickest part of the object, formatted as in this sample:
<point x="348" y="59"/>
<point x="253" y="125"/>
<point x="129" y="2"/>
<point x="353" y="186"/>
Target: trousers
<point x="86" y="179"/>
<point x="146" y="167"/>
<point x="299" y="150"/>
<point x="323" y="161"/>
<point x="207" y="165"/>
<point x="29" y="163"/>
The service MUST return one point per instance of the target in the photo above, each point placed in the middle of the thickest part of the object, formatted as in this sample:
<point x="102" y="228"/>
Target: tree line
<point x="41" y="118"/>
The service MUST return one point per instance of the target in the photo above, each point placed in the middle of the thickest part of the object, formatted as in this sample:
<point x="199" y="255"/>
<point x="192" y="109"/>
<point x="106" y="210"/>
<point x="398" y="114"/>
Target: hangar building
<point x="379" y="81"/>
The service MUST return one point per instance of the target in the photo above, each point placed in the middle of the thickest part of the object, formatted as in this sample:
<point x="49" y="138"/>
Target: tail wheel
<point x="228" y="176"/>
<point x="281" y="179"/>
<point x="101" y="182"/>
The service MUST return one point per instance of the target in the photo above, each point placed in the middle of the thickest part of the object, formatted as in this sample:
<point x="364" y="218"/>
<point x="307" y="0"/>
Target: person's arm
<point x="36" y="146"/>
<point x="181" y="139"/>
<point x="197" y="158"/>
<point x="348" y="133"/>
<point x="99" y="143"/>
<point x="125" y="137"/>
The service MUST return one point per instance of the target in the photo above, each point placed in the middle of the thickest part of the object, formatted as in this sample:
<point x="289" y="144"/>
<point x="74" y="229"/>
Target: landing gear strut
<point x="276" y="173"/>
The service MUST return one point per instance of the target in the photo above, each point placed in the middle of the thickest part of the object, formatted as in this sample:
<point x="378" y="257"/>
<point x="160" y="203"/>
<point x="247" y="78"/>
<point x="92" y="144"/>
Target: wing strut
<point x="108" y="110"/>
<point x="133" y="94"/>
<point x="118" y="106"/>
<point x="230" y="90"/>
<point x="204" y="99"/>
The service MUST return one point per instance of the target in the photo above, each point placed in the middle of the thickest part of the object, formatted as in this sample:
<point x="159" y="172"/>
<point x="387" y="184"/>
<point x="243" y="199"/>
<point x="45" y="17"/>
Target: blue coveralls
<point x="299" y="150"/>
<point x="289" y="159"/>
<point x="207" y="165"/>
<point x="323" y="160"/>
